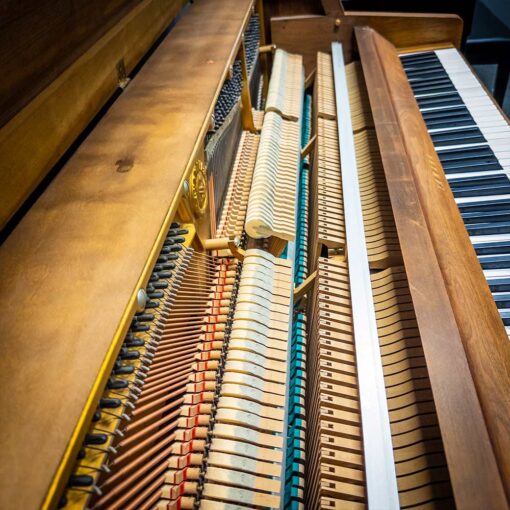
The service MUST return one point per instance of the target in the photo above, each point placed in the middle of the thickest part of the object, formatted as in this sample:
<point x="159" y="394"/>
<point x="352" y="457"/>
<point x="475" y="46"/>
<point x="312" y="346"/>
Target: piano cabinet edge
<point x="480" y="329"/>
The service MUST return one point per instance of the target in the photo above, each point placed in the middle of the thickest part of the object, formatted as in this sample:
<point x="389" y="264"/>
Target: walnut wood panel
<point x="313" y="33"/>
<point x="274" y="8"/>
<point x="38" y="135"/>
<point x="411" y="29"/>
<point x="437" y="290"/>
<point x="38" y="40"/>
<point x="70" y="268"/>
<point x="309" y="34"/>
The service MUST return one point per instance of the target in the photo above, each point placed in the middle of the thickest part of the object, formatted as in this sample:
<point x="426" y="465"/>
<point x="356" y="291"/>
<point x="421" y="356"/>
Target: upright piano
<point x="274" y="271"/>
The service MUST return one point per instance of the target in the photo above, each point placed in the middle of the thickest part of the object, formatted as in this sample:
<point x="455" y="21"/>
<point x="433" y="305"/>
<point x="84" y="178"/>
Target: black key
<point x="428" y="68"/>
<point x="441" y="97"/>
<point x="446" y="122"/>
<point x="505" y="316"/>
<point x="482" y="191"/>
<point x="479" y="180"/>
<point x="430" y="82"/>
<point x="503" y="204"/>
<point x="418" y="56"/>
<point x="415" y="68"/>
<point x="468" y="165"/>
<point x="457" y="137"/>
<point x="495" y="262"/>
<point x="502" y="300"/>
<point x="480" y="153"/>
<point x="494" y="248"/>
<point x="439" y="102"/>
<point x="428" y="75"/>
<point x="426" y="56"/>
<point x="484" y="229"/>
<point x="446" y="112"/>
<point x="420" y="89"/>
<point x="499" y="284"/>
<point x="486" y="216"/>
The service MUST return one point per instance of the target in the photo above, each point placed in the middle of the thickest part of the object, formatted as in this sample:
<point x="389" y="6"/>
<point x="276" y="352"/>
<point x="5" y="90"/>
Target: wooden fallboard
<point x="70" y="269"/>
<point x="465" y="343"/>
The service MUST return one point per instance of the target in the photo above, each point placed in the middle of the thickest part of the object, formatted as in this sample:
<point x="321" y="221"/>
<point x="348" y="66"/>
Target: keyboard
<point x="472" y="139"/>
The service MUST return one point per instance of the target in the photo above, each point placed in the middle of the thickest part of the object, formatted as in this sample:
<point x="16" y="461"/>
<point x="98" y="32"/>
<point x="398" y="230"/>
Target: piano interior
<point x="273" y="273"/>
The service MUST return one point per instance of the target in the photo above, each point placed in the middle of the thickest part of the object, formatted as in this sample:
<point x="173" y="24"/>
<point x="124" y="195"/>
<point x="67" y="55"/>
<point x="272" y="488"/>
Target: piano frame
<point x="107" y="213"/>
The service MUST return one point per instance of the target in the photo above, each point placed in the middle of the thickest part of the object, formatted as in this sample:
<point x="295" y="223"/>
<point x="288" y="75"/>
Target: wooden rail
<point x="308" y="34"/>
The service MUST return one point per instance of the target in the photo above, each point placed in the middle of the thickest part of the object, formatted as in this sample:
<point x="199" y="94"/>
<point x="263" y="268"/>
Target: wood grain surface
<point x="62" y="86"/>
<point x="308" y="34"/>
<point x="38" y="40"/>
<point x="443" y="276"/>
<point x="70" y="269"/>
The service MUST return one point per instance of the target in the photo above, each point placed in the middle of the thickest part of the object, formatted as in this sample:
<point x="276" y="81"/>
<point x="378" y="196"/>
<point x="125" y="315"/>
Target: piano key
<point x="505" y="316"/>
<point x="499" y="284"/>
<point x="460" y="144"/>
<point x="453" y="137"/>
<point x="449" y="99"/>
<point x="499" y="261"/>
<point x="483" y="179"/>
<point x="483" y="109"/>
<point x="419" y="58"/>
<point x="459" y="120"/>
<point x="420" y="89"/>
<point x="420" y="61"/>
<point x="471" y="165"/>
<point x="494" y="248"/>
<point x="430" y="70"/>
<point x="486" y="216"/>
<point x="481" y="152"/>
<point x="477" y="191"/>
<point x="491" y="204"/>
<point x="470" y="175"/>
<point x="502" y="300"/>
<point x="445" y="112"/>
<point x="427" y="76"/>
<point x="502" y="227"/>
